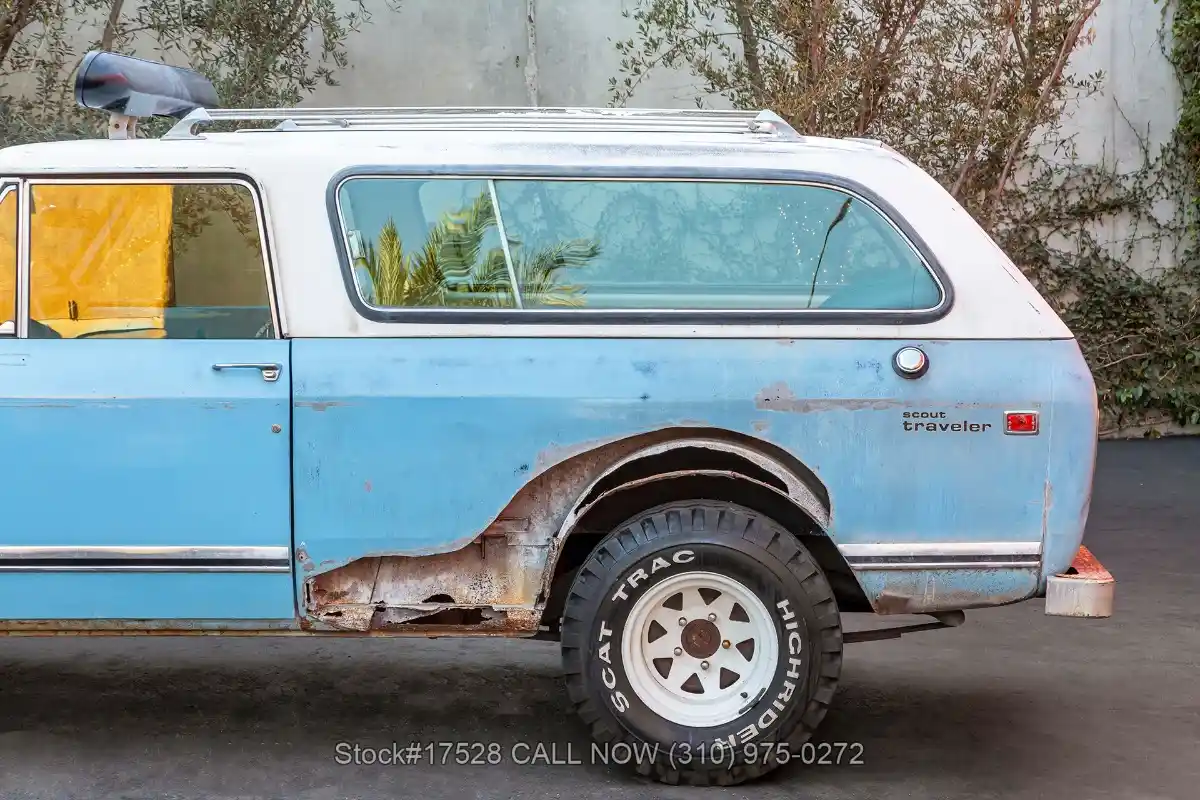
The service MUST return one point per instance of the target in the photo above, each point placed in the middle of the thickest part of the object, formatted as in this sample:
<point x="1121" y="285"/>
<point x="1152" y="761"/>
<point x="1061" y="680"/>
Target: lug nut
<point x="703" y="665"/>
<point x="725" y="644"/>
<point x="682" y="621"/>
<point x="712" y="617"/>
<point x="678" y="651"/>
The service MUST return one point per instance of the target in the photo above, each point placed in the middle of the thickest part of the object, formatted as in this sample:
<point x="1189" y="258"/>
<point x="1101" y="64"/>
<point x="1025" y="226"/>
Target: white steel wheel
<point x="698" y="648"/>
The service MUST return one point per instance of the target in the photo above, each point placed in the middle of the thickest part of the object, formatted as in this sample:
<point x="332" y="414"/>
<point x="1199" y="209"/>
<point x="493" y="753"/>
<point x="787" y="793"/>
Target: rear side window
<point x="631" y="245"/>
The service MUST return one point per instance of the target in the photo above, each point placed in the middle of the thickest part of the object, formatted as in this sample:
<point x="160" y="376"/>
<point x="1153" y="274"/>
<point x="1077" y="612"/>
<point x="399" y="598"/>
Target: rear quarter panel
<point x="413" y="446"/>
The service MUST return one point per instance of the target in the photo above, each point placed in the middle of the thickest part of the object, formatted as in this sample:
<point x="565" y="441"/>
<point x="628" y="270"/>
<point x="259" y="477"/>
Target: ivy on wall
<point x="1184" y="54"/>
<point x="979" y="95"/>
<point x="1140" y="329"/>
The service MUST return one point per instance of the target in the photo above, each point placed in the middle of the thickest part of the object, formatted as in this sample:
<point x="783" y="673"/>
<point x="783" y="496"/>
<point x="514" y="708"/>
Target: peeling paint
<point x="779" y="397"/>
<point x="935" y="590"/>
<point x="20" y="404"/>
<point x="303" y="560"/>
<point x="320" y="405"/>
<point x="556" y="454"/>
<point x="1047" y="504"/>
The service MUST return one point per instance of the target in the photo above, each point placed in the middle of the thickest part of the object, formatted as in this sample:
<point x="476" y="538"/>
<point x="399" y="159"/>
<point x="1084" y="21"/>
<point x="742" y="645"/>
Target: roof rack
<point x="873" y="143"/>
<point x="501" y="118"/>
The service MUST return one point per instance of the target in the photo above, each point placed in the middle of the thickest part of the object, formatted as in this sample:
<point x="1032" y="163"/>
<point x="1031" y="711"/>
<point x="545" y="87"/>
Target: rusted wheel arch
<point x="749" y="477"/>
<point x="722" y="450"/>
<point x="516" y="565"/>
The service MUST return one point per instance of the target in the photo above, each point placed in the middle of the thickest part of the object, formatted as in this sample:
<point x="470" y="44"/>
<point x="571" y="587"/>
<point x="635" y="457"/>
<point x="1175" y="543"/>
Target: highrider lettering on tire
<point x="701" y="622"/>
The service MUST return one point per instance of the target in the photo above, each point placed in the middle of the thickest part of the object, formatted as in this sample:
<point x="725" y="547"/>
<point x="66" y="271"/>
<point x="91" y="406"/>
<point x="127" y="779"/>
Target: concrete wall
<point x="489" y="52"/>
<point x="1138" y="107"/>
<point x="560" y="52"/>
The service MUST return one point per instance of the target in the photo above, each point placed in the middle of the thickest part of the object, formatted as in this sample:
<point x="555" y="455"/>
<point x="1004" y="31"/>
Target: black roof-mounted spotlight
<point x="130" y="88"/>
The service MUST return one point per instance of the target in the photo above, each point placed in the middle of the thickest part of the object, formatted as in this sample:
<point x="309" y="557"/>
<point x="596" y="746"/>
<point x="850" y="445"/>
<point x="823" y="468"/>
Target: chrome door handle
<point x="270" y="372"/>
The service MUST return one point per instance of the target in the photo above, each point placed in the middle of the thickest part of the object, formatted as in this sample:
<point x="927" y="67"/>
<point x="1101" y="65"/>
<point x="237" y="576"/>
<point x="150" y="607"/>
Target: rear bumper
<point x="1085" y="589"/>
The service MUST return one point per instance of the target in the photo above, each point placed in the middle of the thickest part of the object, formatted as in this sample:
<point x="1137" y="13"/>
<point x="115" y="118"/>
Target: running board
<point x="945" y="619"/>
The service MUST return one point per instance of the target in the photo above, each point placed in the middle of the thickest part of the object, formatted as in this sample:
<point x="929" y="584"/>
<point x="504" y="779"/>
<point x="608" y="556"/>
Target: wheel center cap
<point x="701" y="638"/>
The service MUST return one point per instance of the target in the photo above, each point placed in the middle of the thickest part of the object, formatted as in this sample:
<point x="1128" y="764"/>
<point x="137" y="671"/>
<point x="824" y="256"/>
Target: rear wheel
<point x="704" y="639"/>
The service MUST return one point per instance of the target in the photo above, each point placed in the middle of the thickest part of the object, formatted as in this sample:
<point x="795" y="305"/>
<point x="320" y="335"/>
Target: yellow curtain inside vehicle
<point x="100" y="256"/>
<point x="8" y="257"/>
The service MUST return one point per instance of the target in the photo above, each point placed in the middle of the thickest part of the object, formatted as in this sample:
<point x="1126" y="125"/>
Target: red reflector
<point x="1021" y="422"/>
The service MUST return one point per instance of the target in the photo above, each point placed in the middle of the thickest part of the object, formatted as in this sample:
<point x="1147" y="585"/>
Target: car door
<point x="144" y="406"/>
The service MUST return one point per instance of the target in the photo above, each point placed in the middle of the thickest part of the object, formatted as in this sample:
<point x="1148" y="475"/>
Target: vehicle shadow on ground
<point x="1011" y="705"/>
<point x="303" y="697"/>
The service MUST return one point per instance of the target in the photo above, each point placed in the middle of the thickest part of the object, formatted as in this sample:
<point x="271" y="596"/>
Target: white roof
<point x="294" y="169"/>
<point x="232" y="151"/>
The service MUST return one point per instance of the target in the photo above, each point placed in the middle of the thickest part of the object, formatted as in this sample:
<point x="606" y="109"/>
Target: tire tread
<point x="700" y="517"/>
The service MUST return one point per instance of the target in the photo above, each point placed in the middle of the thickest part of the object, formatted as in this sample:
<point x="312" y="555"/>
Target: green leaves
<point x="451" y="268"/>
<point x="263" y="53"/>
<point x="976" y="92"/>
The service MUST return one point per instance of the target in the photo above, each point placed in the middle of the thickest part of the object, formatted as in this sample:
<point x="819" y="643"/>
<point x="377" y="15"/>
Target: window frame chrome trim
<point x="630" y="317"/>
<point x="508" y="261"/>
<point x="23" y="239"/>
<point x="13" y="186"/>
<point x="266" y="243"/>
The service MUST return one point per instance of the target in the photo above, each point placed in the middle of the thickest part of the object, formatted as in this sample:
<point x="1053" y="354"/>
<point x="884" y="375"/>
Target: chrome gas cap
<point x="910" y="362"/>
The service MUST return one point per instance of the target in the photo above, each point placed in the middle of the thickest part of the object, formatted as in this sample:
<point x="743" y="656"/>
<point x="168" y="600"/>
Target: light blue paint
<point x="140" y="442"/>
<point x="1072" y="459"/>
<point x="923" y="591"/>
<point x="413" y="446"/>
<point x="146" y="595"/>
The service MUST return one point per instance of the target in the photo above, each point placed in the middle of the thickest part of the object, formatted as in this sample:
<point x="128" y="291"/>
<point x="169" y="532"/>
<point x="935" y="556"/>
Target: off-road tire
<point x="735" y="542"/>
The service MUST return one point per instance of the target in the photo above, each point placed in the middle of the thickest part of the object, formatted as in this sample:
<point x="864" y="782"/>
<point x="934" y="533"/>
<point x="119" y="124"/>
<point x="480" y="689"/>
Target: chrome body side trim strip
<point x="948" y="564"/>
<point x="943" y="555"/>
<point x="946" y="549"/>
<point x="122" y="558"/>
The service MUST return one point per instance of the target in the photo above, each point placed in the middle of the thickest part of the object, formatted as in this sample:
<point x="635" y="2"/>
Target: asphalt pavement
<point x="1011" y="705"/>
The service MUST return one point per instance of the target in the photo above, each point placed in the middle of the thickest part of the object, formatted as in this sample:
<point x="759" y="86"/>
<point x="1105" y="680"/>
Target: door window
<point x="153" y="261"/>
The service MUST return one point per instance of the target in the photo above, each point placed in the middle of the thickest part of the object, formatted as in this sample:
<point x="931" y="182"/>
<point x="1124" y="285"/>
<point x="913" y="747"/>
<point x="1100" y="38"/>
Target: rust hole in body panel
<point x="503" y="579"/>
<point x="491" y="582"/>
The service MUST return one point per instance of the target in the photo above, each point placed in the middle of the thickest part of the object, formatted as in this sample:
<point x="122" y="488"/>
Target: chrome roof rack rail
<point x="873" y="143"/>
<point x="761" y="123"/>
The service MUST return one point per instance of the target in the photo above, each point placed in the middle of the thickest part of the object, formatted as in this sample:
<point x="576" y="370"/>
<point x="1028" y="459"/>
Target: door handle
<point x="270" y="372"/>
